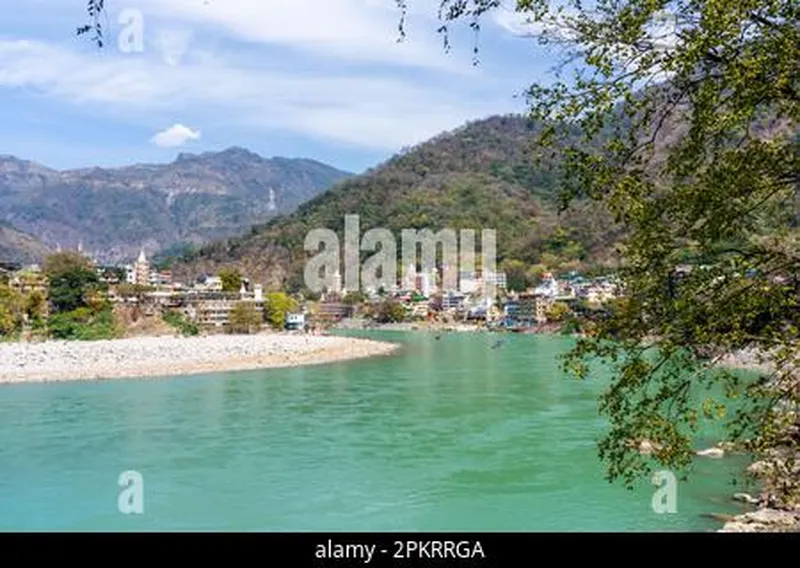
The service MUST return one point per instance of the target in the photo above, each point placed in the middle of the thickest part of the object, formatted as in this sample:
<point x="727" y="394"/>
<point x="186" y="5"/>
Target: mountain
<point x="196" y="198"/>
<point x="20" y="248"/>
<point x="480" y="176"/>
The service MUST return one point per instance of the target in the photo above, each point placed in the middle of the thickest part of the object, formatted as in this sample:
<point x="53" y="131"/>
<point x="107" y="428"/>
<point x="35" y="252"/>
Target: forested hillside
<point x="480" y="176"/>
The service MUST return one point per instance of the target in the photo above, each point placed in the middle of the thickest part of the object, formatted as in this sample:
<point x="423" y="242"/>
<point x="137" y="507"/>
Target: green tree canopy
<point x="231" y="279"/>
<point x="557" y="312"/>
<point x="279" y="304"/>
<point x="245" y="318"/>
<point x="72" y="281"/>
<point x="390" y="311"/>
<point x="11" y="310"/>
<point x="516" y="275"/>
<point x="354" y="298"/>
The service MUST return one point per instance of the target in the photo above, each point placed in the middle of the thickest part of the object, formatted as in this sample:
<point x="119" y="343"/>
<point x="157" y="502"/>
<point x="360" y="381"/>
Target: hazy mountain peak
<point x="196" y="198"/>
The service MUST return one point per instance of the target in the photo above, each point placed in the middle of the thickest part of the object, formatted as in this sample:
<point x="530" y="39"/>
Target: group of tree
<point x="231" y="279"/>
<point x="245" y="318"/>
<point x="389" y="310"/>
<point x="278" y="305"/>
<point x="78" y="300"/>
<point x="73" y="305"/>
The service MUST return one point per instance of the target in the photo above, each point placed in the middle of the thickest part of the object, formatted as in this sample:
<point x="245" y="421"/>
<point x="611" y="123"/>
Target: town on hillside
<point x="140" y="298"/>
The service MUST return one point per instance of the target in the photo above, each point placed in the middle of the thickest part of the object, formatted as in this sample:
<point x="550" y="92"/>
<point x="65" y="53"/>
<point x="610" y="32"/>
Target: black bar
<point x="399" y="549"/>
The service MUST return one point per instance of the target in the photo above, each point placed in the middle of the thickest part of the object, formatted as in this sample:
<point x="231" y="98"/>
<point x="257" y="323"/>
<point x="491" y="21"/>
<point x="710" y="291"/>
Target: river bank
<point x="767" y="516"/>
<point x="23" y="362"/>
<point x="475" y="326"/>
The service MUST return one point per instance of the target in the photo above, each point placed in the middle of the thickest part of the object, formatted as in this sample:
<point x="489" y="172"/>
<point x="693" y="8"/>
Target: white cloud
<point x="522" y="25"/>
<point x="327" y="69"/>
<point x="350" y="30"/>
<point x="372" y="110"/>
<point x="175" y="135"/>
<point x="172" y="44"/>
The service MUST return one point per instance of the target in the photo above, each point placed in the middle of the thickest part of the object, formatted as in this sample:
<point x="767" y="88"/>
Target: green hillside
<point x="480" y="176"/>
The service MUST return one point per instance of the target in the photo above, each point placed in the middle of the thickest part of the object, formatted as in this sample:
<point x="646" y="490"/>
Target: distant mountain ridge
<point x="20" y="248"/>
<point x="196" y="198"/>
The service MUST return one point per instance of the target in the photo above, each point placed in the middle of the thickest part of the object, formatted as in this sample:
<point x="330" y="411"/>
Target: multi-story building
<point x="160" y="277"/>
<point x="141" y="270"/>
<point x="329" y="312"/>
<point x="495" y="279"/>
<point x="511" y="308"/>
<point x="213" y="307"/>
<point x="533" y="308"/>
<point x="28" y="280"/>
<point x="453" y="301"/>
<point x="208" y="307"/>
<point x="548" y="287"/>
<point x="425" y="284"/>
<point x="210" y="284"/>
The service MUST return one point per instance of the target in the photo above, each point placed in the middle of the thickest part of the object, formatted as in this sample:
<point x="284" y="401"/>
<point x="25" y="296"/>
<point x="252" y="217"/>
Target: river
<point x="448" y="434"/>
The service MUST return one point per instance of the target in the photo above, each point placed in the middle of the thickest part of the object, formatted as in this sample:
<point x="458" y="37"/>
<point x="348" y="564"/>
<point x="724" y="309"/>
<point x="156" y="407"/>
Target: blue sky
<point x="322" y="79"/>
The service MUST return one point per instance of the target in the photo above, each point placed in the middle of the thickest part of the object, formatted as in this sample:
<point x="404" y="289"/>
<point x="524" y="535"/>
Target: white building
<point x="453" y="301"/>
<point x="141" y="270"/>
<point x="496" y="279"/>
<point x="467" y="283"/>
<point x="295" y="321"/>
<point x="548" y="287"/>
<point x="338" y="287"/>
<point x="210" y="284"/>
<point x="426" y="284"/>
<point x="410" y="277"/>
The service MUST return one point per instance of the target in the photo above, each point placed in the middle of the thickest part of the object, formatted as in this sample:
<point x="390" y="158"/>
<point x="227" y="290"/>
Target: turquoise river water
<point x="445" y="435"/>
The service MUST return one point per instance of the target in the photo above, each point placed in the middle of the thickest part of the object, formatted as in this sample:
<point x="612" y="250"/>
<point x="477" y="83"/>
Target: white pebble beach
<point x="165" y="356"/>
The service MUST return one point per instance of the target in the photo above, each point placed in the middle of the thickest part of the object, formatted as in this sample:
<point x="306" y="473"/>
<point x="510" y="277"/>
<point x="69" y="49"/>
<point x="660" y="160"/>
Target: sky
<point x="319" y="79"/>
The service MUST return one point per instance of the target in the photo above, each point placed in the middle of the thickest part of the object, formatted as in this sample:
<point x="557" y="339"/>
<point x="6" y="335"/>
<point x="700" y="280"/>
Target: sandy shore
<point x="167" y="356"/>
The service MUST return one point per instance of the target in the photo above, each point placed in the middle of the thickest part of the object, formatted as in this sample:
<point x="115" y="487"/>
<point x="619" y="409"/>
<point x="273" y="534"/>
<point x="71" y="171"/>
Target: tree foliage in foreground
<point x="715" y="193"/>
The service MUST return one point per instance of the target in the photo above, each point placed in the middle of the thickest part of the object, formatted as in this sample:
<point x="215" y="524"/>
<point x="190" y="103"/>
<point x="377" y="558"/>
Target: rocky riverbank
<point x="167" y="356"/>
<point x="767" y="516"/>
